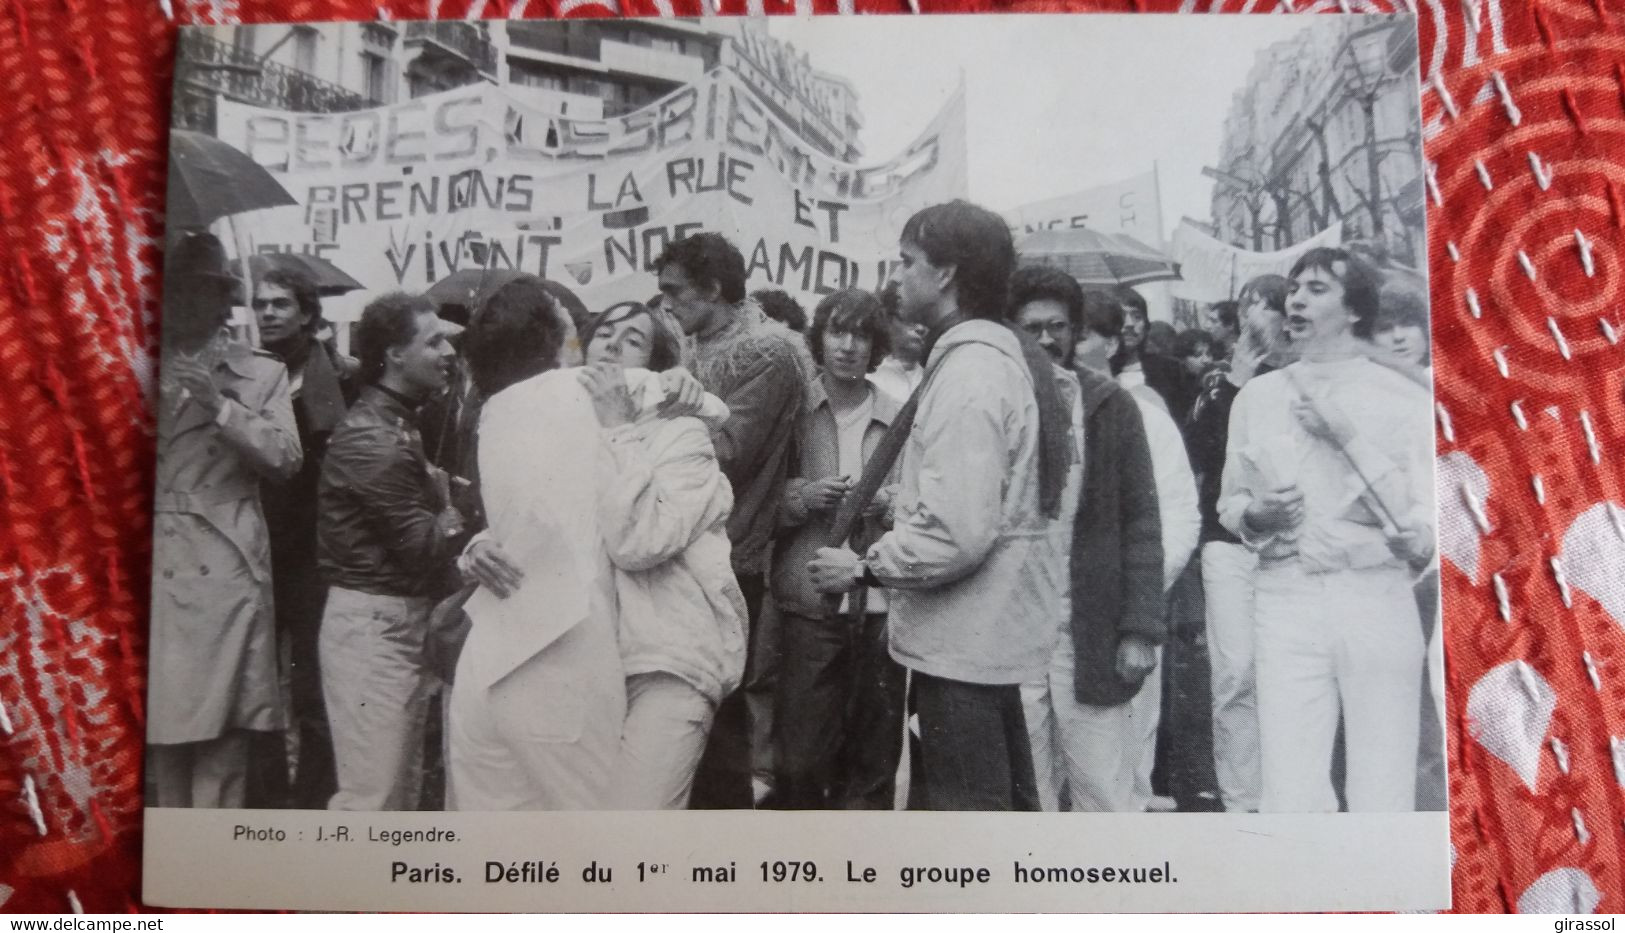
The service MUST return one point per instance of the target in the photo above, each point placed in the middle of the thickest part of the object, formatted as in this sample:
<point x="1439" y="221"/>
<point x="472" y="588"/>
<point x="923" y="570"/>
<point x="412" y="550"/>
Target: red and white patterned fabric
<point x="1524" y="104"/>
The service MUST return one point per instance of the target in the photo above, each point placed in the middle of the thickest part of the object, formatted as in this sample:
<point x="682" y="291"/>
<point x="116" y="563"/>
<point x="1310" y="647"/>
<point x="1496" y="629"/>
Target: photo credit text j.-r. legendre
<point x="342" y="832"/>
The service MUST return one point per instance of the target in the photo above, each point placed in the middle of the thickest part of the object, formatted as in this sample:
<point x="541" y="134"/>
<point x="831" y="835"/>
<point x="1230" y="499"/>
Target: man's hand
<point x="1276" y="510"/>
<point x="195" y="379"/>
<point x="1413" y="546"/>
<point x="834" y="570"/>
<point x="683" y="394"/>
<point x="825" y="494"/>
<point x="1136" y="658"/>
<point x="1323" y="418"/>
<point x="611" y="401"/>
<point x="493" y="569"/>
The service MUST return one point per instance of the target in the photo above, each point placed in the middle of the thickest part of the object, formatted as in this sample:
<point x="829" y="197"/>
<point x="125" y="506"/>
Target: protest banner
<point x="1130" y="206"/>
<point x="403" y="195"/>
<point x="1213" y="270"/>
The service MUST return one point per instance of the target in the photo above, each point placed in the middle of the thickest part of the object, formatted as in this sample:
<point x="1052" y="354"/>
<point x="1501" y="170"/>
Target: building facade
<point x="1326" y="130"/>
<point x="327" y="69"/>
<point x="582" y="69"/>
<point x="823" y="108"/>
<point x="592" y="69"/>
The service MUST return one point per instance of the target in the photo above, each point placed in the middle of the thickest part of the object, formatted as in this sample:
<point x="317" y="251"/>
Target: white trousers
<point x="546" y="736"/>
<point x="1144" y="719"/>
<point x="377" y="694"/>
<point x="1094" y="754"/>
<point x="667" y="722"/>
<point x="1349" y="642"/>
<point x="1227" y="588"/>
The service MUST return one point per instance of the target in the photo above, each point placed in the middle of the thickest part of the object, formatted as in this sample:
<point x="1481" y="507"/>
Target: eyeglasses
<point x="1055" y="329"/>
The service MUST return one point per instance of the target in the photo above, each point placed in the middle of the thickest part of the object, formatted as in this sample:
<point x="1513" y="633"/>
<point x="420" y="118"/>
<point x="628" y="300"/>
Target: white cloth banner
<point x="1212" y="270"/>
<point x="403" y="195"/>
<point x="1130" y="206"/>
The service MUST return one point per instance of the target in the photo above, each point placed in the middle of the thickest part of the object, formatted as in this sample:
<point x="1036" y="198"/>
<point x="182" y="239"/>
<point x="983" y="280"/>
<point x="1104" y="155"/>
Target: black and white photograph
<point x="1020" y="414"/>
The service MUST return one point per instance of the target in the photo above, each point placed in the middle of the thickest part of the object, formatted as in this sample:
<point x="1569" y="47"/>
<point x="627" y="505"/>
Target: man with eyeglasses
<point x="288" y="309"/>
<point x="1129" y="521"/>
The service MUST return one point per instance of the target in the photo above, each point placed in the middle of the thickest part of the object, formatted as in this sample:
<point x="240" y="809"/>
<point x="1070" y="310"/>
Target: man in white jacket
<point x="539" y="700"/>
<point x="976" y="583"/>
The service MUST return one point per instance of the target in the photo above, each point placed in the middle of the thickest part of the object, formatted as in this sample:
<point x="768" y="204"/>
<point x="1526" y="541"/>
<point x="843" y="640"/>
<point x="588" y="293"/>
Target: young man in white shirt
<point x="1329" y="478"/>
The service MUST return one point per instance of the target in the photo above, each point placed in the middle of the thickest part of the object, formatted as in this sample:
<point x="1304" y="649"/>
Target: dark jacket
<point x="1116" y="542"/>
<point x="1207" y="436"/>
<point x="290" y="508"/>
<point x="1205" y="439"/>
<point x="376" y="530"/>
<point x="1168" y="377"/>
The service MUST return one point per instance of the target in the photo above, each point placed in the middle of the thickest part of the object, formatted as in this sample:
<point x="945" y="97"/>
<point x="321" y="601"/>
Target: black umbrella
<point x="469" y="288"/>
<point x="329" y="279"/>
<point x="208" y="179"/>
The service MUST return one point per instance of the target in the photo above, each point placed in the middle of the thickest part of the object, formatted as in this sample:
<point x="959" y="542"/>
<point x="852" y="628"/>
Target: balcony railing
<point x="461" y="39"/>
<point x="552" y="38"/>
<point x="210" y="65"/>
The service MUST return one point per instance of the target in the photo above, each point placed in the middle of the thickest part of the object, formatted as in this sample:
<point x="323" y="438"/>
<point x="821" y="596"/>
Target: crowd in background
<point x="987" y="539"/>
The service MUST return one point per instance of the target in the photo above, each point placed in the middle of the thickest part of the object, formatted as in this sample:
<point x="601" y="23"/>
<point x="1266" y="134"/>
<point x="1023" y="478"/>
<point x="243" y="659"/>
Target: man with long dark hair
<point x="842" y="693"/>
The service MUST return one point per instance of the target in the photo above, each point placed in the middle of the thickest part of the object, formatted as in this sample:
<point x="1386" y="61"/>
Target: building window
<point x="602" y="90"/>
<point x="674" y="46"/>
<point x="541" y="79"/>
<point x="375" y="75"/>
<point x="304" y="49"/>
<point x="243" y="38"/>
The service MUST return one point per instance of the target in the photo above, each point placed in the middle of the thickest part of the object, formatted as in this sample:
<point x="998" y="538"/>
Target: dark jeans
<point x="972" y="751"/>
<point x="299" y="598"/>
<point x="1184" y="754"/>
<point x="839" y="733"/>
<point x="722" y="781"/>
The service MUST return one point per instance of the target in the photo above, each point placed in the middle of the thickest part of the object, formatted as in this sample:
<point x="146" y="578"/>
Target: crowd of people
<point x="929" y="548"/>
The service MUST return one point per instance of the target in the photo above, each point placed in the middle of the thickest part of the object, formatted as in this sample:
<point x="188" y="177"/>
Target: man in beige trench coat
<point x="225" y="421"/>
